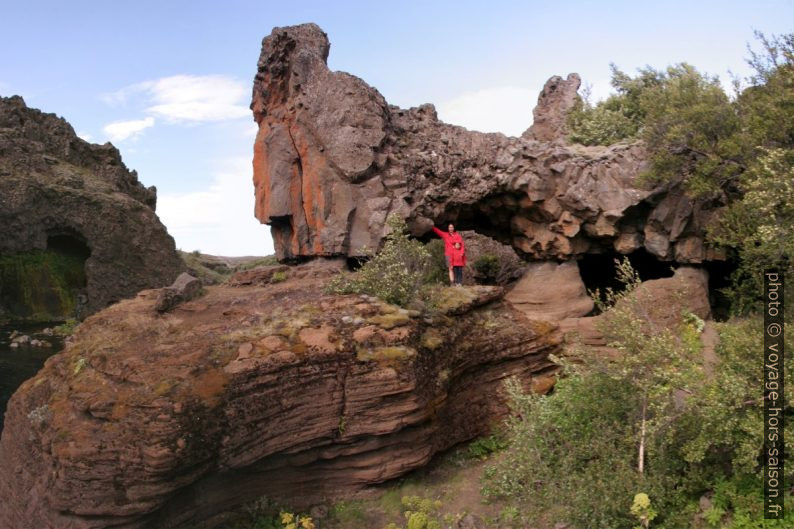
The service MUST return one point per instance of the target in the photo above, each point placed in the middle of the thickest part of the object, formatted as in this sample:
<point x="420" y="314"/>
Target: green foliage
<point x="438" y="272"/>
<point x="268" y="260"/>
<point x="641" y="509"/>
<point x="486" y="446"/>
<point x="759" y="227"/>
<point x="487" y="267"/>
<point x="41" y="285"/>
<point x="739" y="147"/>
<point x="396" y="274"/>
<point x="66" y="328"/>
<point x="278" y="277"/>
<point x="420" y="513"/>
<point x="348" y="515"/>
<point x="264" y="514"/>
<point x="573" y="455"/>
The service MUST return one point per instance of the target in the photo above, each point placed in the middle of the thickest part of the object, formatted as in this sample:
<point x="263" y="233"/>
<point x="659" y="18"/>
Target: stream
<point x="18" y="364"/>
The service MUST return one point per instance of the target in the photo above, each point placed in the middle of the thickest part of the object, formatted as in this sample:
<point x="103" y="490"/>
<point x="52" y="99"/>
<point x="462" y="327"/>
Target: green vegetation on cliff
<point x="738" y="148"/>
<point x="41" y="285"/>
<point x="658" y="418"/>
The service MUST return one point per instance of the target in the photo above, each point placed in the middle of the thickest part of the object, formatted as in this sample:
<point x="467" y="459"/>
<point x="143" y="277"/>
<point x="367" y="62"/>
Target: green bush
<point x="278" y="277"/>
<point x="739" y="149"/>
<point x="574" y="455"/>
<point x="420" y="513"/>
<point x="484" y="447"/>
<point x="438" y="271"/>
<point x="395" y="274"/>
<point x="487" y="267"/>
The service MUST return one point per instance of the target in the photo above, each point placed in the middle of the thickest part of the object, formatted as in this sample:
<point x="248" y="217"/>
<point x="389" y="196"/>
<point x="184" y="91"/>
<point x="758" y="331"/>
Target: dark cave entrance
<point x="46" y="285"/>
<point x="599" y="271"/>
<point x="71" y="244"/>
<point x="720" y="273"/>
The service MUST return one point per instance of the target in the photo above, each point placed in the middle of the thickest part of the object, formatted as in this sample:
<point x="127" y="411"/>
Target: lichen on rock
<point x="164" y="420"/>
<point x="332" y="159"/>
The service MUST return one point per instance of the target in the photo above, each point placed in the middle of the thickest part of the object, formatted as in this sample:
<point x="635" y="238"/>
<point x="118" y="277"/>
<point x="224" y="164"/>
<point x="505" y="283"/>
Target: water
<point x="21" y="363"/>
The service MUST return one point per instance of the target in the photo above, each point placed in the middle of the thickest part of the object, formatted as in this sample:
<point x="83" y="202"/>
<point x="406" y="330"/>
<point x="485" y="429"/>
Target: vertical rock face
<point x="332" y="159"/>
<point x="59" y="193"/>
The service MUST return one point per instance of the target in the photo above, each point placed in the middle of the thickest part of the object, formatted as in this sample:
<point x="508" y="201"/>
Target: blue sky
<point x="169" y="81"/>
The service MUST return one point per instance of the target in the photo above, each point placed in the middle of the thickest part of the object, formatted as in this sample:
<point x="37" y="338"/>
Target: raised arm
<point x="439" y="233"/>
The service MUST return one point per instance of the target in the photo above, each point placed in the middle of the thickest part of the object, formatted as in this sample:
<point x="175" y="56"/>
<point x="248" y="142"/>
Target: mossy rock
<point x="391" y="320"/>
<point x="41" y="285"/>
<point x="390" y="354"/>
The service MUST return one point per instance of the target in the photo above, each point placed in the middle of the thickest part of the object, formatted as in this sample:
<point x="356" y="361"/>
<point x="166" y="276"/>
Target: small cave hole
<point x="599" y="271"/>
<point x="720" y="273"/>
<point x="71" y="245"/>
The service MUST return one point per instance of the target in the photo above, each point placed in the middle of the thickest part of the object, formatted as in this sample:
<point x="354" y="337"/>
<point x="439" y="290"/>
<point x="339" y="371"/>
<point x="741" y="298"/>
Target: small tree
<point x="395" y="274"/>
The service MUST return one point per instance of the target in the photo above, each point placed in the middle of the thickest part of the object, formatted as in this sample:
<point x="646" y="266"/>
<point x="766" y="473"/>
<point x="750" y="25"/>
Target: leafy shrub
<point x="395" y="274"/>
<point x="486" y="446"/>
<point x="438" y="271"/>
<point x="737" y="149"/>
<point x="278" y="277"/>
<point x="487" y="267"/>
<point x="420" y="513"/>
<point x="575" y="454"/>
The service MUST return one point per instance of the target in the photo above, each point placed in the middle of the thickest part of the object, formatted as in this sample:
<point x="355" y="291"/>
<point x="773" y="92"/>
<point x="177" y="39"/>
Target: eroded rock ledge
<point x="332" y="159"/>
<point x="150" y="421"/>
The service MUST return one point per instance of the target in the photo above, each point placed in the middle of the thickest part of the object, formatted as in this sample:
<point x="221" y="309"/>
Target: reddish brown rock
<point x="166" y="420"/>
<point x="332" y="159"/>
<point x="551" y="291"/>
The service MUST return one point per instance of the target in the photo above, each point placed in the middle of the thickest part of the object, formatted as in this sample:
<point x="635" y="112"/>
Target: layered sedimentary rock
<point x="332" y="159"/>
<point x="149" y="421"/>
<point x="60" y="193"/>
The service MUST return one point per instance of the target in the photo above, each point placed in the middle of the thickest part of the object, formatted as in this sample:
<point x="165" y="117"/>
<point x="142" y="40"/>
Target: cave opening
<point x="46" y="285"/>
<point x="599" y="271"/>
<point x="720" y="274"/>
<point x="71" y="244"/>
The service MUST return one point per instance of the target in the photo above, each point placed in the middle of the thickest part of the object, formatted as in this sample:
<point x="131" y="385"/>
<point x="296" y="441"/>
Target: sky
<point x="168" y="82"/>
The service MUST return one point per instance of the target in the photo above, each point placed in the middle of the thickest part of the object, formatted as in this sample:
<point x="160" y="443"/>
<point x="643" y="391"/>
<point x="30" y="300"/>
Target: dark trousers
<point x="458" y="272"/>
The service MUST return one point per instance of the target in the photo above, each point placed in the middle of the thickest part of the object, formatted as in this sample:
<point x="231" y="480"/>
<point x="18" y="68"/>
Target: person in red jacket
<point x="458" y="261"/>
<point x="450" y="238"/>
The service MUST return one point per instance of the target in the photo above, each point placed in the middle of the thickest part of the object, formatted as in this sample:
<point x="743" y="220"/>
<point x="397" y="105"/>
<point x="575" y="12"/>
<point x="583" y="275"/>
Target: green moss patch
<point x="41" y="285"/>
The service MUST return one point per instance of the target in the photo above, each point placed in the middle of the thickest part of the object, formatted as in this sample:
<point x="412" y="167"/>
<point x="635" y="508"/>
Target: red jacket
<point x="449" y="241"/>
<point x="458" y="257"/>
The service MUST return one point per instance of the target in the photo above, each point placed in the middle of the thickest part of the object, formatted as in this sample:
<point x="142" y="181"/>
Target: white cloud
<point x="85" y="136"/>
<point x="188" y="98"/>
<point x="122" y="130"/>
<point x="218" y="220"/>
<point x="505" y="109"/>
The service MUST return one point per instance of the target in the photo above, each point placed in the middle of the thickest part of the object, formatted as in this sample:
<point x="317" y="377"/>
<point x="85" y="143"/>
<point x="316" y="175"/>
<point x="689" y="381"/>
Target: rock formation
<point x="551" y="291"/>
<point x="60" y="192"/>
<point x="332" y="159"/>
<point x="153" y="421"/>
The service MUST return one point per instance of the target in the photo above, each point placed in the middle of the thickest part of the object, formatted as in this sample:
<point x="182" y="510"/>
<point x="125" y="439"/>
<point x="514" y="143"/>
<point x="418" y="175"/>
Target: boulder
<point x="332" y="159"/>
<point x="184" y="288"/>
<point x="149" y="420"/>
<point x="551" y="291"/>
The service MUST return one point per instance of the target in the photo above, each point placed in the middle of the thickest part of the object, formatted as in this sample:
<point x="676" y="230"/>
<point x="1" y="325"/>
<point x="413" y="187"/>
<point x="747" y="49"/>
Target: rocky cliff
<point x="332" y="159"/>
<point x="62" y="195"/>
<point x="153" y="421"/>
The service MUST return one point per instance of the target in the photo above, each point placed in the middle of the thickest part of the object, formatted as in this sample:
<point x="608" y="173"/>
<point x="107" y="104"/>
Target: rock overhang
<point x="333" y="159"/>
